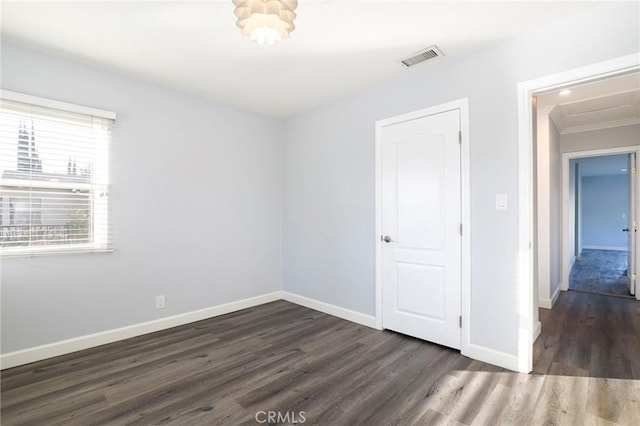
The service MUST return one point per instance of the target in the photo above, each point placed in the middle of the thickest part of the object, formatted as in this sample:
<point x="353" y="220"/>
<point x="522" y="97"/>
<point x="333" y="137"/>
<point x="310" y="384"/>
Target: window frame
<point x="103" y="189"/>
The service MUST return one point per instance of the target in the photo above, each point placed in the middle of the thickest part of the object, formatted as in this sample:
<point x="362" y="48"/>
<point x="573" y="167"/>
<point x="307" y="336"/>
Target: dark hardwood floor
<point x="318" y="369"/>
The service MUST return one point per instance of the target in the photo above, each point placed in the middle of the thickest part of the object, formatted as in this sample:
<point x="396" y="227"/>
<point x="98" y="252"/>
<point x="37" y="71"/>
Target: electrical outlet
<point x="160" y="301"/>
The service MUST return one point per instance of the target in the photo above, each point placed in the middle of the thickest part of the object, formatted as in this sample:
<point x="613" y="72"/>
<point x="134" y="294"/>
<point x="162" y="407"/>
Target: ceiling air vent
<point x="421" y="57"/>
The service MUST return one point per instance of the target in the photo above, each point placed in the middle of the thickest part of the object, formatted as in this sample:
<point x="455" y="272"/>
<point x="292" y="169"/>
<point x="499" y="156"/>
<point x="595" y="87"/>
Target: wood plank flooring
<point x="313" y="368"/>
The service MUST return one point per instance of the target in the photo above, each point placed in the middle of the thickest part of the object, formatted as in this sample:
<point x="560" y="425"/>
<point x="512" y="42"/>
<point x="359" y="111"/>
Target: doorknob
<point x="625" y="230"/>
<point x="387" y="239"/>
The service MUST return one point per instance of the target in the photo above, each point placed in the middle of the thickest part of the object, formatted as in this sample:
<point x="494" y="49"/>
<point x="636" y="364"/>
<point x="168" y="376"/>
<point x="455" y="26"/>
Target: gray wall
<point x="614" y="137"/>
<point x="196" y="209"/>
<point x="329" y="239"/>
<point x="605" y="207"/>
<point x="548" y="190"/>
<point x="555" y="205"/>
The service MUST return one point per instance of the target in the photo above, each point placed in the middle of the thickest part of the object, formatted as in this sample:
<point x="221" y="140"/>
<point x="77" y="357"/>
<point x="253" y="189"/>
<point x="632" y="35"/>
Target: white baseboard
<point x="537" y="330"/>
<point x="336" y="311"/>
<point x="605" y="248"/>
<point x="13" y="359"/>
<point x="544" y="303"/>
<point x="548" y="303"/>
<point x="491" y="356"/>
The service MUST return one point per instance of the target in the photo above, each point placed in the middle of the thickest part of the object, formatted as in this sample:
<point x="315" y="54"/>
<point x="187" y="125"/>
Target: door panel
<point x="419" y="192"/>
<point x="420" y="290"/>
<point x="421" y="195"/>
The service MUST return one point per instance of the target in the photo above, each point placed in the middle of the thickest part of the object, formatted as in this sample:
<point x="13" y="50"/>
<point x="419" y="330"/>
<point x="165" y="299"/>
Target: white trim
<point x="491" y="356"/>
<point x="50" y="103"/>
<point x="555" y="296"/>
<point x="544" y="303"/>
<point x="13" y="359"/>
<point x="600" y="152"/>
<point x="35" y="251"/>
<point x="336" y="311"/>
<point x="605" y="248"/>
<point x="526" y="302"/>
<point x="537" y="330"/>
<point x="567" y="263"/>
<point x="378" y="219"/>
<point x="465" y="171"/>
<point x="548" y="303"/>
<point x="465" y="294"/>
<point x="600" y="126"/>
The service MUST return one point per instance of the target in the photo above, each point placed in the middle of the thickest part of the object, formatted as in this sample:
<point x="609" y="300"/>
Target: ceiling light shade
<point x="265" y="21"/>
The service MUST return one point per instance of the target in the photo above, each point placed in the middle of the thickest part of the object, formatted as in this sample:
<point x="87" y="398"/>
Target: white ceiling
<point x="339" y="47"/>
<point x="601" y="104"/>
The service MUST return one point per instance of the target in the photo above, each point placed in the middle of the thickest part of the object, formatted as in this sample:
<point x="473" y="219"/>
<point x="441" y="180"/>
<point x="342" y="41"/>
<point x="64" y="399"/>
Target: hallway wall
<point x="605" y="205"/>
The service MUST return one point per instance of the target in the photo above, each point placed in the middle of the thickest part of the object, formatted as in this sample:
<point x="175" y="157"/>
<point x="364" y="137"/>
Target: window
<point x="25" y="211"/>
<point x="54" y="176"/>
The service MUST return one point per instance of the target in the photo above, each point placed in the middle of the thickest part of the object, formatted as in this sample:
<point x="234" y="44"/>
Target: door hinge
<point x="634" y="225"/>
<point x="460" y="321"/>
<point x="634" y="170"/>
<point x="633" y="277"/>
<point x="460" y="229"/>
<point x="459" y="136"/>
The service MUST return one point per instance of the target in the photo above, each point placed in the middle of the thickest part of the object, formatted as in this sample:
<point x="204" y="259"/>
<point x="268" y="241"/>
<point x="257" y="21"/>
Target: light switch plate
<point x="502" y="202"/>
<point x="160" y="302"/>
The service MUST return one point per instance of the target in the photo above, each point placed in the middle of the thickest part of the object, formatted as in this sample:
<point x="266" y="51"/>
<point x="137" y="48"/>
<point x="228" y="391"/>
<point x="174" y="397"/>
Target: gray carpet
<point x="601" y="271"/>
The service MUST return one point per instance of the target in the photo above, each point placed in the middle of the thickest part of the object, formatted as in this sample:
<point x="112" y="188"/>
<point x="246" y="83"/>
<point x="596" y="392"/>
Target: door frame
<point x="527" y="303"/>
<point x="465" y="206"/>
<point x="566" y="208"/>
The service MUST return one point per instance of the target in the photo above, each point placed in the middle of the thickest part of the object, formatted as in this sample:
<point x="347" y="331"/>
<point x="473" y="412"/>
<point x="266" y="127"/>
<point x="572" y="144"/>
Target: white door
<point x="421" y="241"/>
<point x="632" y="226"/>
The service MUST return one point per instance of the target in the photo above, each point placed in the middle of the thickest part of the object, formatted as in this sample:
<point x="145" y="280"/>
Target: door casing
<point x="567" y="209"/>
<point x="527" y="303"/>
<point x="463" y="106"/>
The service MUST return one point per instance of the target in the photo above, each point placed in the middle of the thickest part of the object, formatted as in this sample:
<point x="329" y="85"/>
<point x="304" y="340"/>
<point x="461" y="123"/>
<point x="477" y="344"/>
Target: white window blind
<point x="54" y="177"/>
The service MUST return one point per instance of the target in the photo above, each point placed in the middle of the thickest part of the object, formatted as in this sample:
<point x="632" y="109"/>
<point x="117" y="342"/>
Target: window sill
<point x="49" y="251"/>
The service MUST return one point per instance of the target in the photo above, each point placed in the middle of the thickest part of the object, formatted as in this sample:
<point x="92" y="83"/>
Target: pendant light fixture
<point x="265" y="21"/>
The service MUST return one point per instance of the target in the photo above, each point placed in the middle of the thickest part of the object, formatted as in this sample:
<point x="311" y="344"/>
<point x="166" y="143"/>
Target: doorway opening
<point x="599" y="215"/>
<point x="529" y="162"/>
<point x="584" y="139"/>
